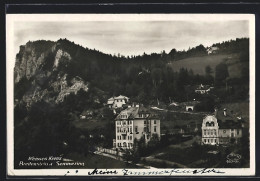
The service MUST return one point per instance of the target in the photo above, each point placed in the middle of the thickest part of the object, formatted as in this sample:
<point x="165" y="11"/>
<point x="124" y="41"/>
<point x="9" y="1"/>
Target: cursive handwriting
<point x="102" y="172"/>
<point x="172" y="172"/>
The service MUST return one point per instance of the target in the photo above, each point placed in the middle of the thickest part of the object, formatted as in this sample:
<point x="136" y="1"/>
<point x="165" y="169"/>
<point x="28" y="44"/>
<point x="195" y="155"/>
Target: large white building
<point x="117" y="102"/>
<point x="133" y="123"/>
<point x="221" y="128"/>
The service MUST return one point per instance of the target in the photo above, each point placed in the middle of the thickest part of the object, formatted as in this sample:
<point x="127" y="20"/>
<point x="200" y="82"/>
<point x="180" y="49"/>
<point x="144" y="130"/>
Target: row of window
<point x="124" y="130"/>
<point x="119" y="100"/>
<point x="124" y="137"/>
<point x="210" y="132"/>
<point x="209" y="124"/>
<point x="143" y="115"/>
<point x="214" y="132"/>
<point x="146" y="122"/>
<point x="129" y="129"/>
<point x="210" y="140"/>
<point x="128" y="122"/>
<point x="146" y="129"/>
<point x="130" y="145"/>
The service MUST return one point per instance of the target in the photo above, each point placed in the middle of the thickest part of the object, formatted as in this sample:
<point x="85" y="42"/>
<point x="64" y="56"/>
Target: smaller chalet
<point x="117" y="102"/>
<point x="212" y="50"/>
<point x="203" y="89"/>
<point x="189" y="106"/>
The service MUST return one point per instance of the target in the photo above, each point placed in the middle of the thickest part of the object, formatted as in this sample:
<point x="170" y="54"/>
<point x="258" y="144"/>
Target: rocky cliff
<point x="38" y="73"/>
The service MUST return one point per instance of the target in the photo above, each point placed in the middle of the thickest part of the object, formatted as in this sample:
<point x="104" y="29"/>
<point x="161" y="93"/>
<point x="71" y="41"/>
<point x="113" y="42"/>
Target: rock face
<point x="77" y="84"/>
<point x="38" y="63"/>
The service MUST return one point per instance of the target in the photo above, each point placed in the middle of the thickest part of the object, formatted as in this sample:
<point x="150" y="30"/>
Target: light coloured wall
<point x="237" y="133"/>
<point x="124" y="129"/>
<point x="210" y="133"/>
<point x="119" y="102"/>
<point x="189" y="107"/>
<point x="127" y="128"/>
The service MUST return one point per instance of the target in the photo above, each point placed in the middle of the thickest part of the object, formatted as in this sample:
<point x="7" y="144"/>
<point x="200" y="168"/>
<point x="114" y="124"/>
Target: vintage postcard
<point x="130" y="94"/>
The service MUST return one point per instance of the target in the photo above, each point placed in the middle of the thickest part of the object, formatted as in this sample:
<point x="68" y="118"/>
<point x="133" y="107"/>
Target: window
<point x="205" y="132"/>
<point x="154" y="122"/>
<point x="130" y="137"/>
<point x="136" y="129"/>
<point x="154" y="129"/>
<point x="118" y="129"/>
<point x="144" y="129"/>
<point x="211" y="131"/>
<point x="131" y="130"/>
<point x="124" y="137"/>
<point x="144" y="121"/>
<point x="215" y="132"/>
<point x="238" y="132"/>
<point x="205" y="141"/>
<point x="118" y="144"/>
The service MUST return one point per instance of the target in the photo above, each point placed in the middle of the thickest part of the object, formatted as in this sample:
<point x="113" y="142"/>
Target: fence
<point x="110" y="151"/>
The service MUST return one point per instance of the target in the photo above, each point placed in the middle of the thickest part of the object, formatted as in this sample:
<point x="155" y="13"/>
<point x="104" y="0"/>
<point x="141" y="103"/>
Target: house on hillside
<point x="203" y="89"/>
<point x="134" y="123"/>
<point x="188" y="106"/>
<point x="86" y="114"/>
<point x="212" y="50"/>
<point x="117" y="102"/>
<point x="221" y="128"/>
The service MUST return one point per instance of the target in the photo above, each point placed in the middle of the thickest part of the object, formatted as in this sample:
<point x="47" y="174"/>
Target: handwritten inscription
<point x="172" y="172"/>
<point x="102" y="172"/>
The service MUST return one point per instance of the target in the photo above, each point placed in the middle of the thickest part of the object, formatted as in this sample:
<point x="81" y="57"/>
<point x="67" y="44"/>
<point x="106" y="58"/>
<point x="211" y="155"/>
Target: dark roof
<point x="134" y="112"/>
<point x="229" y="124"/>
<point x="230" y="121"/>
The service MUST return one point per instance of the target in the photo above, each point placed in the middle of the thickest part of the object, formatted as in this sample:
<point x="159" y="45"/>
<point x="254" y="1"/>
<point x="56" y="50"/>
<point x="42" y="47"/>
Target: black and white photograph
<point x="130" y="94"/>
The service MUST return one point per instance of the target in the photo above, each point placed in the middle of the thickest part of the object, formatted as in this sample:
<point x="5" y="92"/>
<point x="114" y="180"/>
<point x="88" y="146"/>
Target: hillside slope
<point x="198" y="64"/>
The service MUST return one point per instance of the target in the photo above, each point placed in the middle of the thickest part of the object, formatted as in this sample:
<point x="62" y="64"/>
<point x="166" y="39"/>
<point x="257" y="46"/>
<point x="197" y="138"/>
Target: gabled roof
<point x="118" y="97"/>
<point x="230" y="121"/>
<point x="121" y="97"/>
<point x="133" y="113"/>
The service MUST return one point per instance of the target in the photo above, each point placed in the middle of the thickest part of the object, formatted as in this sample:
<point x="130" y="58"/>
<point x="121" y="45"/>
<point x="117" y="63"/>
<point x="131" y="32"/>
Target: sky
<point x="132" y="37"/>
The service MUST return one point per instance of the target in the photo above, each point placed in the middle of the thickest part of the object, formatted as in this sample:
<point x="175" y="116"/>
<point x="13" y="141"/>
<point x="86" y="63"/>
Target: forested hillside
<point x="58" y="80"/>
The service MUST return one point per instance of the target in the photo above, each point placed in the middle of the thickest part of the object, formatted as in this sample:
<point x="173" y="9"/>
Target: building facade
<point x="210" y="130"/>
<point x="117" y="102"/>
<point x="135" y="123"/>
<point x="221" y="128"/>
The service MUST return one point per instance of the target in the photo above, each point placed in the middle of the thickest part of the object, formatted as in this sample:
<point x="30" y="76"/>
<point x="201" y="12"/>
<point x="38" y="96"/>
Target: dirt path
<point x="187" y="112"/>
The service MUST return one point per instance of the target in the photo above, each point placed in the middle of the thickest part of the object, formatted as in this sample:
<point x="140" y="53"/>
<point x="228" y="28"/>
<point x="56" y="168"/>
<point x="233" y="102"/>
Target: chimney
<point x="225" y="112"/>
